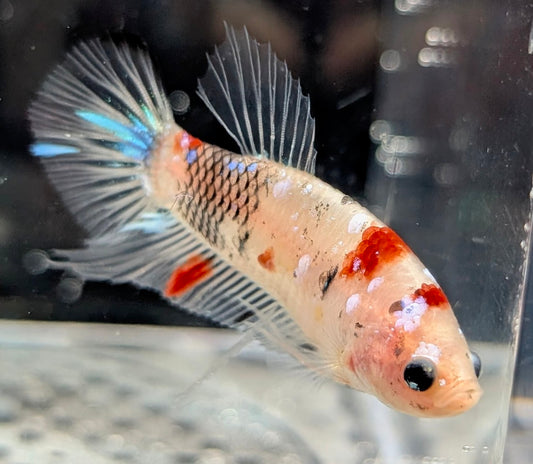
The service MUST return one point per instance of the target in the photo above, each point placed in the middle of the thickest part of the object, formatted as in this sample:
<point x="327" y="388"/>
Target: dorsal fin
<point x="253" y="95"/>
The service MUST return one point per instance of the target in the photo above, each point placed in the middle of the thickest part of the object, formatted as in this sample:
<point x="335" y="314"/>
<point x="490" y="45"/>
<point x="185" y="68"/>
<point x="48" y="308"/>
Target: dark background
<point x="474" y="217"/>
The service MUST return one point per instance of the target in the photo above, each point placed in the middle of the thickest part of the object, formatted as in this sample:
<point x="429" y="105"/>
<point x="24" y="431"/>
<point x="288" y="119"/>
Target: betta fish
<point x="251" y="240"/>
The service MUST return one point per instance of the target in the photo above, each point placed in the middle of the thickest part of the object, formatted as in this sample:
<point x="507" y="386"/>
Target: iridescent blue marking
<point x="150" y="223"/>
<point x="241" y="167"/>
<point x="120" y="130"/>
<point x="141" y="130"/>
<point x="191" y="156"/>
<point x="47" y="150"/>
<point x="153" y="121"/>
<point x="252" y="167"/>
<point x="232" y="165"/>
<point x="131" y="151"/>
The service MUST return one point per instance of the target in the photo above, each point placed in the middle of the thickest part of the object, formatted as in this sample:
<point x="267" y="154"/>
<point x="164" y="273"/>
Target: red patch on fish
<point x="186" y="142"/>
<point x="266" y="259"/>
<point x="433" y="295"/>
<point x="379" y="245"/>
<point x="194" y="143"/>
<point x="188" y="275"/>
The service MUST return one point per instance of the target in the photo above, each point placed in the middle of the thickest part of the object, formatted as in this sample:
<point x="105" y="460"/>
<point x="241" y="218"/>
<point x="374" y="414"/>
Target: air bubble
<point x="411" y="6"/>
<point x="35" y="262"/>
<point x="390" y="60"/>
<point x="379" y="129"/>
<point x="6" y="10"/>
<point x="396" y="167"/>
<point x="69" y="289"/>
<point x="441" y="36"/>
<point x="435" y="57"/>
<point x="180" y="102"/>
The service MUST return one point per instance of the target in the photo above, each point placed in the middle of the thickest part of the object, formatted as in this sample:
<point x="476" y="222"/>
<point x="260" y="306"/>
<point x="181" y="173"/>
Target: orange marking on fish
<point x="266" y="259"/>
<point x="379" y="245"/>
<point x="176" y="147"/>
<point x="433" y="295"/>
<point x="188" y="275"/>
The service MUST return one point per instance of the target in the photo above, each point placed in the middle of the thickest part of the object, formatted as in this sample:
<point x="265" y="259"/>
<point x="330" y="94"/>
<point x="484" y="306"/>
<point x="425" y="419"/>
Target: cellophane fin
<point x="253" y="95"/>
<point x="225" y="296"/>
<point x="95" y="120"/>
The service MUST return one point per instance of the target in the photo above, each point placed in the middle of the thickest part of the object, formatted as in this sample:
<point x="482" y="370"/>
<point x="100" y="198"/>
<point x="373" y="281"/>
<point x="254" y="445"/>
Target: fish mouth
<point x="461" y="396"/>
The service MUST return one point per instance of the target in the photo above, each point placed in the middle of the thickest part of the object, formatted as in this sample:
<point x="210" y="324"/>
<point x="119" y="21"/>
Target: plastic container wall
<point x="449" y="117"/>
<point x="452" y="172"/>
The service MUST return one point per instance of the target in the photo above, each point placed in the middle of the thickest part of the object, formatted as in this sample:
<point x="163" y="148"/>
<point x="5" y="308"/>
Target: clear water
<point x="423" y="111"/>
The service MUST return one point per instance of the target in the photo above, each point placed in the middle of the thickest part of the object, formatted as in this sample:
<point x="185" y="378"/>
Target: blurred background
<point x="423" y="114"/>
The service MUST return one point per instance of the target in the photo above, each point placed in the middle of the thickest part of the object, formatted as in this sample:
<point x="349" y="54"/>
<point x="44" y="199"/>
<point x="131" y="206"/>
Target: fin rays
<point x="252" y="94"/>
<point x="95" y="120"/>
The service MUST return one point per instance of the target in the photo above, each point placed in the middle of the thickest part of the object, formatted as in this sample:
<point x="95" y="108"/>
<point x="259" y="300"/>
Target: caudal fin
<point x="96" y="119"/>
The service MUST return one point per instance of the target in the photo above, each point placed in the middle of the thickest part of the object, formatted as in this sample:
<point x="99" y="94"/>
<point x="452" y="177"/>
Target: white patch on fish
<point x="374" y="283"/>
<point x="352" y="302"/>
<point x="428" y="350"/>
<point x="358" y="222"/>
<point x="281" y="188"/>
<point x="307" y="189"/>
<point x="303" y="266"/>
<point x="412" y="310"/>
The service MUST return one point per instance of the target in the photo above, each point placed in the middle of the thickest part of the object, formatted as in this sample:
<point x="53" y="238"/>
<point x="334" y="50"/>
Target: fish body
<point x="251" y="240"/>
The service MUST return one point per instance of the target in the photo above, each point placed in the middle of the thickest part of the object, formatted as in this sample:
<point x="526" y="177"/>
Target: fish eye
<point x="476" y="362"/>
<point x="419" y="374"/>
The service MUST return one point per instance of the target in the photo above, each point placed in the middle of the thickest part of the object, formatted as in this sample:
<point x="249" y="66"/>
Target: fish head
<point x="414" y="357"/>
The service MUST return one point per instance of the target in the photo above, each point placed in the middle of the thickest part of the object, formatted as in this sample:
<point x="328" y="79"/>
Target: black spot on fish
<point x="326" y="278"/>
<point x="346" y="199"/>
<point x="396" y="306"/>
<point x="308" y="347"/>
<point x="358" y="325"/>
<point x="243" y="238"/>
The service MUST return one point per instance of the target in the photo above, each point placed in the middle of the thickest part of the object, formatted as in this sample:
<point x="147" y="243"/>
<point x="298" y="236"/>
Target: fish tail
<point x="96" y="121"/>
